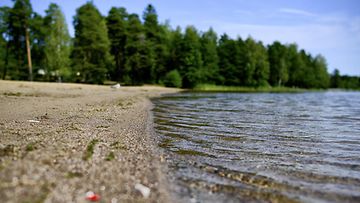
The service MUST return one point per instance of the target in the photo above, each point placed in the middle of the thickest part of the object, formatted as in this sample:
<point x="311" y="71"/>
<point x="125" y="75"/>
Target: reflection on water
<point x="262" y="147"/>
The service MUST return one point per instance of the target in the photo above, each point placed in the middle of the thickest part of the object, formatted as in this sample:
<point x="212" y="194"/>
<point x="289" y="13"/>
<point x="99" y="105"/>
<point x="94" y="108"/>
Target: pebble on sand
<point x="145" y="191"/>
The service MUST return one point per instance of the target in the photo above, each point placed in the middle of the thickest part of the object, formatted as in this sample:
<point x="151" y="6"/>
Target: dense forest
<point x="135" y="50"/>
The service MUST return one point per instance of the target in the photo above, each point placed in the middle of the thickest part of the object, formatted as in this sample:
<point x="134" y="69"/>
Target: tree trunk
<point x="6" y="61"/>
<point x="28" y="54"/>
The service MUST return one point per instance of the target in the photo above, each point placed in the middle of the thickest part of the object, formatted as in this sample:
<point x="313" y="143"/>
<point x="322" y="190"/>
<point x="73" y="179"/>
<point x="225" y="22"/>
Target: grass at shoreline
<point x="90" y="149"/>
<point x="218" y="88"/>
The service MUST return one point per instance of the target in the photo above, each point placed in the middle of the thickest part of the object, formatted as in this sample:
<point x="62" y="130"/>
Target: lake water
<point x="262" y="147"/>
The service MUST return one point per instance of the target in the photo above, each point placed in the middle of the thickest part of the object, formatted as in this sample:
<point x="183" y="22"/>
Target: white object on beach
<point x="89" y="194"/>
<point x="145" y="191"/>
<point x="117" y="86"/>
<point x="33" y="121"/>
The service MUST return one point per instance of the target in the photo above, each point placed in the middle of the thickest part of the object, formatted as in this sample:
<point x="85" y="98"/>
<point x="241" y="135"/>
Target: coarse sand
<point x="60" y="141"/>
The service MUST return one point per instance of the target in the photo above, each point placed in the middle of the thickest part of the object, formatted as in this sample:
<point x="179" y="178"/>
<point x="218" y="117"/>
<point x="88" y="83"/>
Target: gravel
<point x="60" y="141"/>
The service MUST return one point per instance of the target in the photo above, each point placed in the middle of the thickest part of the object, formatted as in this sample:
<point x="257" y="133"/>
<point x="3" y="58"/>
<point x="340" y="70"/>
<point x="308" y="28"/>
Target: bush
<point x="173" y="79"/>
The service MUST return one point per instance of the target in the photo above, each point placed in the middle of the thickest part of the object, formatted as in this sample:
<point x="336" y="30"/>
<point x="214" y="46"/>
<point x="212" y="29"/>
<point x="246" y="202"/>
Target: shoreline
<point x="59" y="141"/>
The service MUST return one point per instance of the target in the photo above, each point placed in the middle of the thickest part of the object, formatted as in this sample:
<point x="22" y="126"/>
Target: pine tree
<point x="57" y="50"/>
<point x="191" y="63"/>
<point x="210" y="56"/>
<point x="116" y="23"/>
<point x="137" y="60"/>
<point x="230" y="60"/>
<point x="91" y="57"/>
<point x="156" y="40"/>
<point x="18" y="27"/>
<point x="4" y="37"/>
<point x="175" y="50"/>
<point x="336" y="79"/>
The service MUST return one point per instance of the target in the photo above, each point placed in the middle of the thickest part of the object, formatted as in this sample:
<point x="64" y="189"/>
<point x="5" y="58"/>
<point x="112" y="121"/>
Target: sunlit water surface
<point x="231" y="147"/>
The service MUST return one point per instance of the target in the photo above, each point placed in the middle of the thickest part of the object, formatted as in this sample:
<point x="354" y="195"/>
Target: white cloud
<point x="297" y="12"/>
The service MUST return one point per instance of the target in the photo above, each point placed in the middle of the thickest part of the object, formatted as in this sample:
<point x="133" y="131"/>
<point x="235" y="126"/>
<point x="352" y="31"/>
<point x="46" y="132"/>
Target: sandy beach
<point x="60" y="141"/>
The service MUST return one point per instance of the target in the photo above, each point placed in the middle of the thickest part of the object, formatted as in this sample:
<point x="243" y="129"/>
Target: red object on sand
<point x="92" y="197"/>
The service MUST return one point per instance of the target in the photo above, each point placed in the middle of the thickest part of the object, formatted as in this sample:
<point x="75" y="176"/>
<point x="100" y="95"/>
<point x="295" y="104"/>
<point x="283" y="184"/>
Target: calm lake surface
<point x="261" y="147"/>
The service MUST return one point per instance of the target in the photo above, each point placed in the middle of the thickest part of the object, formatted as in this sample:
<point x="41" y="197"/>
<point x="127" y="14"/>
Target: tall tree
<point x="57" y="50"/>
<point x="210" y="56"/>
<point x="262" y="68"/>
<point x="156" y="39"/>
<point x="256" y="63"/>
<point x="163" y="52"/>
<point x="322" y="79"/>
<point x="38" y="33"/>
<point x="91" y="57"/>
<point x="336" y="79"/>
<point x="4" y="38"/>
<point x="191" y="63"/>
<point x="137" y="63"/>
<point x="116" y="23"/>
<point x="174" y="60"/>
<point x="229" y="53"/>
<point x="295" y="65"/>
<point x="19" y="23"/>
<point x="308" y="78"/>
<point x="278" y="64"/>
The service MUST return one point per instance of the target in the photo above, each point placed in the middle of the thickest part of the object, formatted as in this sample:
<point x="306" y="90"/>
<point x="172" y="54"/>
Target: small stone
<point x="145" y="191"/>
<point x="162" y="159"/>
<point x="33" y="121"/>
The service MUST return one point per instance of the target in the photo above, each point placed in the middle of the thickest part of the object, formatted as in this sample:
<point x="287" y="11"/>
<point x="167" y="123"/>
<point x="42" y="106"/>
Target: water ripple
<point x="263" y="147"/>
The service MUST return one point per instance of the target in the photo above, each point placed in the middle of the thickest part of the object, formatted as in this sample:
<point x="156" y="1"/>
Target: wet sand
<point x="59" y="141"/>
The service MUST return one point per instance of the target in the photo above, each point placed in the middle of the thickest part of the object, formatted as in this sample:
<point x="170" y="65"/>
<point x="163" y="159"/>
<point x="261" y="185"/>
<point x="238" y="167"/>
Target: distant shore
<point x="239" y="89"/>
<point x="60" y="141"/>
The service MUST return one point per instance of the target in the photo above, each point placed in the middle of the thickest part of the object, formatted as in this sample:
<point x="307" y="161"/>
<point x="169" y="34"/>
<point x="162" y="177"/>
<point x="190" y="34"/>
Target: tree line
<point x="136" y="50"/>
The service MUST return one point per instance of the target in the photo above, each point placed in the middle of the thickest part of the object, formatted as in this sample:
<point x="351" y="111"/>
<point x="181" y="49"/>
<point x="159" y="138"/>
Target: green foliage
<point x="38" y="33"/>
<point x="336" y="79"/>
<point x="210" y="56"/>
<point x="191" y="61"/>
<point x="230" y="53"/>
<point x="243" y="63"/>
<point x="344" y="82"/>
<point x="278" y="64"/>
<point x="157" y="41"/>
<point x="256" y="71"/>
<point x="173" y="79"/>
<point x="18" y="24"/>
<point x="90" y="55"/>
<point x="175" y="47"/>
<point x="121" y="47"/>
<point x="136" y="49"/>
<point x="117" y="32"/>
<point x="4" y="18"/>
<point x="57" y="49"/>
<point x="322" y="78"/>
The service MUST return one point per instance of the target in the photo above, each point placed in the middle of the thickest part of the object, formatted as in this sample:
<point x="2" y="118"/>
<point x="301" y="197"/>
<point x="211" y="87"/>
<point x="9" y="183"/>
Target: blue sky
<point x="327" y="27"/>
